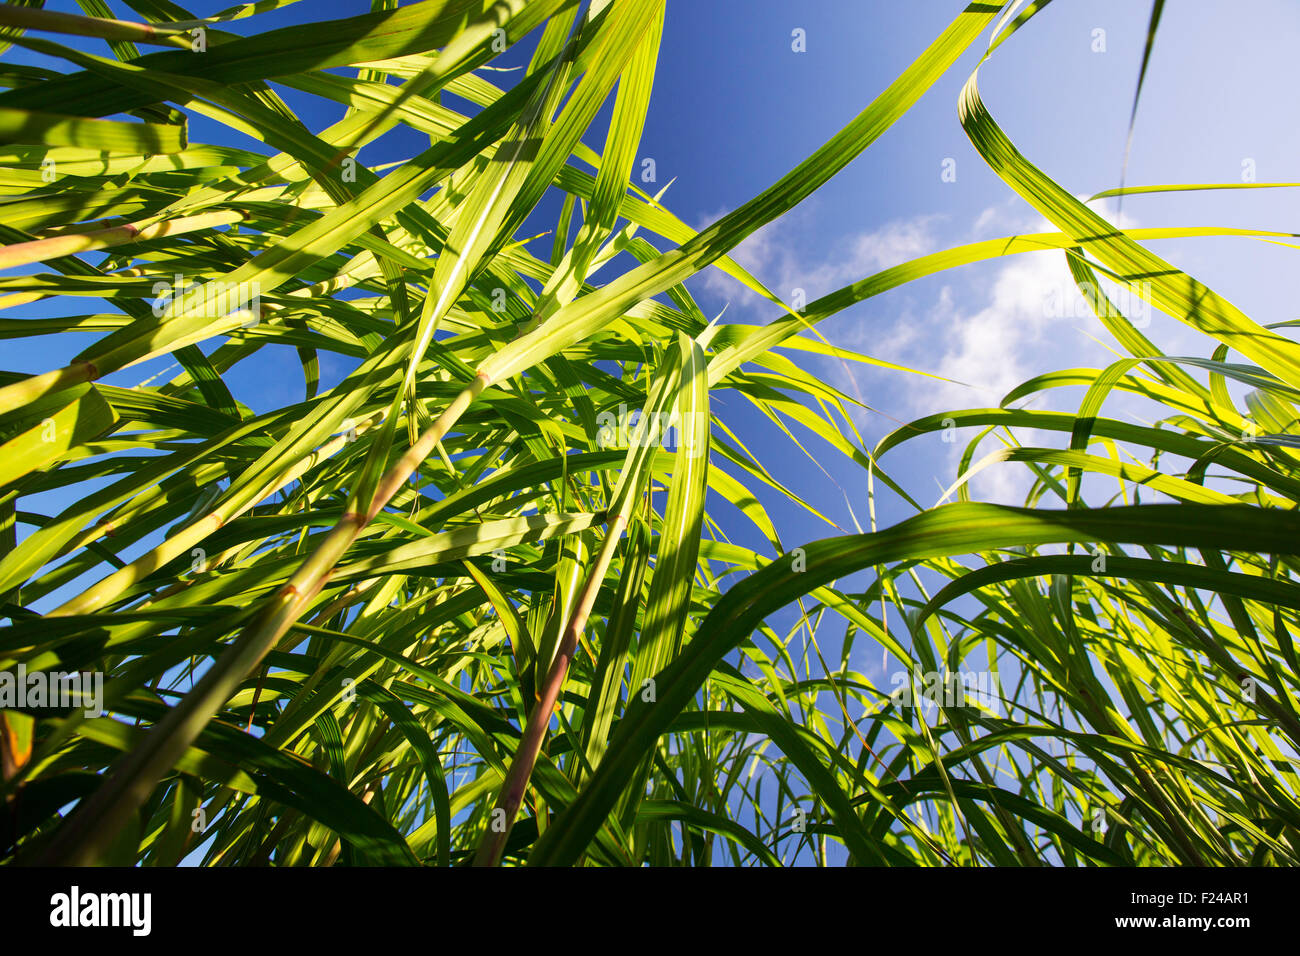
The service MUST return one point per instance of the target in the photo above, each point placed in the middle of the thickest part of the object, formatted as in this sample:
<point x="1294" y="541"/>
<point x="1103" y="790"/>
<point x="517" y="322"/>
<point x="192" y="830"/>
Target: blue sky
<point x="735" y="107"/>
<point x="1206" y="109"/>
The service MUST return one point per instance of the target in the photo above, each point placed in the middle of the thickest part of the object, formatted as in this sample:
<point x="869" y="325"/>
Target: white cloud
<point x="1007" y="218"/>
<point x="993" y="349"/>
<point x="990" y="328"/>
<point x="776" y="255"/>
<point x="1033" y="320"/>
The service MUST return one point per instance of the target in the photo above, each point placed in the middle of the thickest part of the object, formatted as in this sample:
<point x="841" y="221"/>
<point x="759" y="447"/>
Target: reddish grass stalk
<point x="90" y="831"/>
<point x="521" y="767"/>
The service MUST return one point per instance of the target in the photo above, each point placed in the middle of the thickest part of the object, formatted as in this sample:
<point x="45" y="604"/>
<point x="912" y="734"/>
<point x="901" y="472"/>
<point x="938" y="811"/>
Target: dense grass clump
<point x="467" y="596"/>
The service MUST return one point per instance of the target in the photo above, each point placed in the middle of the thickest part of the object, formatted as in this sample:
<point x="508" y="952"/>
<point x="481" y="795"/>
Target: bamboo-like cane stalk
<point x="97" y="820"/>
<point x="515" y="785"/>
<point x="107" y="589"/>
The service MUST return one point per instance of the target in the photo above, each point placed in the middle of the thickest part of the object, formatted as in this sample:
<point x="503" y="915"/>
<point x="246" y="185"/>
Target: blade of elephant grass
<point x="110" y="136"/>
<point x="278" y="775"/>
<point x="1124" y="331"/>
<point x="603" y="700"/>
<point x="645" y="212"/>
<point x="239" y="11"/>
<point x="87" y="834"/>
<point x="51" y="439"/>
<point x="300" y="445"/>
<point x="686" y="813"/>
<point x="414" y="28"/>
<point x="1157" y="7"/>
<point x="1246" y="586"/>
<point x="321" y="238"/>
<point x="948" y="530"/>
<point x="40" y="250"/>
<point x="133" y="495"/>
<point x="520" y="180"/>
<point x="625" y="131"/>
<point x="1077" y="462"/>
<point x="1142" y="436"/>
<point x="483" y="211"/>
<point x="515" y="785"/>
<point x="109" y="588"/>
<point x="52" y="21"/>
<point x="354" y="131"/>
<point x="732" y="356"/>
<point x="1170" y="289"/>
<point x="670" y="388"/>
<point x="591" y="312"/>
<point x="774" y="333"/>
<point x="1082" y="431"/>
<point x="332" y="414"/>
<point x="249" y="114"/>
<point x="627" y="126"/>
<point x="668" y="601"/>
<point x="1183" y="187"/>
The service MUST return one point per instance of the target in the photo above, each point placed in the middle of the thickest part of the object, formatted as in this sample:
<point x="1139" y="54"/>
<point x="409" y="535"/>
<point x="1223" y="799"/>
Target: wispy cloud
<point x="989" y="328"/>
<point x="779" y="256"/>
